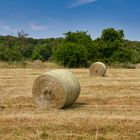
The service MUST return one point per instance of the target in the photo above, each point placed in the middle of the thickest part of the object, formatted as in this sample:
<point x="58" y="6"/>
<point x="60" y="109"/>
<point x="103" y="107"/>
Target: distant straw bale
<point x="56" y="89"/>
<point x="38" y="64"/>
<point x="97" y="69"/>
<point x="137" y="66"/>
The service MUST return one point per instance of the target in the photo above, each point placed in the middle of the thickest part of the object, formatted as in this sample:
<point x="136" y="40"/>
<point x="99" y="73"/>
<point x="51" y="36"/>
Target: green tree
<point x="103" y="48"/>
<point x="79" y="37"/>
<point x="42" y="52"/>
<point x="72" y="55"/>
<point x="74" y="51"/>
<point x="110" y="34"/>
<point x="10" y="54"/>
<point x="22" y="34"/>
<point x="124" y="55"/>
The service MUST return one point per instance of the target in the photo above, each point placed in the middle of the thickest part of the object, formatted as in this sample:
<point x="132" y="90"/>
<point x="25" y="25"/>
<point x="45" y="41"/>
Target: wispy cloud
<point x="7" y="28"/>
<point x="77" y="3"/>
<point x="37" y="27"/>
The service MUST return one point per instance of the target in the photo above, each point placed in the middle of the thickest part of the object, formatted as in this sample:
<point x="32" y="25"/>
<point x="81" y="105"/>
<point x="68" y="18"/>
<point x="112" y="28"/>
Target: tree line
<point x="75" y="49"/>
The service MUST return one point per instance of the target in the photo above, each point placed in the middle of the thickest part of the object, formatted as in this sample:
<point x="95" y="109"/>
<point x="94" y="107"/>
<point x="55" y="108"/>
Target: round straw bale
<point x="56" y="89"/>
<point x="137" y="66"/>
<point x="97" y="69"/>
<point x="38" y="64"/>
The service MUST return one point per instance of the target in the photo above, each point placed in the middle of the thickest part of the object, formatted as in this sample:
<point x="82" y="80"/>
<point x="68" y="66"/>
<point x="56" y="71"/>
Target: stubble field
<point x="108" y="108"/>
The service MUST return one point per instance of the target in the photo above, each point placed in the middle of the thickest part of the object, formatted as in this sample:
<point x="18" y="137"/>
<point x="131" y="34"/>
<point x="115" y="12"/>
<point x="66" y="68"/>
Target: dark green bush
<point x="72" y="55"/>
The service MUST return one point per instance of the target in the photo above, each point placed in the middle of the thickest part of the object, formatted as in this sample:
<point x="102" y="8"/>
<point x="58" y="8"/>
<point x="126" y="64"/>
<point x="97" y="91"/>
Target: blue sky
<point x="52" y="18"/>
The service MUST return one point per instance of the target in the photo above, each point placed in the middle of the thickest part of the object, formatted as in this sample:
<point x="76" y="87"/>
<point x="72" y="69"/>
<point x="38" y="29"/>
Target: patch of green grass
<point x="110" y="129"/>
<point x="44" y="135"/>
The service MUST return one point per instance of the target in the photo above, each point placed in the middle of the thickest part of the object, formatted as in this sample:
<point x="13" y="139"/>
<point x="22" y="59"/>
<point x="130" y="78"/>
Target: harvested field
<point x="108" y="108"/>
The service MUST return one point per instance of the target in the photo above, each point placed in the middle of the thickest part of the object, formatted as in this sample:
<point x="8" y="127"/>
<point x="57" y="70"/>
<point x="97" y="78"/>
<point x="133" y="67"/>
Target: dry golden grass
<point x="108" y="108"/>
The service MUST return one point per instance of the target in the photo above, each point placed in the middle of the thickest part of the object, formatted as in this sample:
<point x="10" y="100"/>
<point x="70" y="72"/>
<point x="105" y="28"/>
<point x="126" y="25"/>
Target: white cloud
<point x="80" y="2"/>
<point x="36" y="27"/>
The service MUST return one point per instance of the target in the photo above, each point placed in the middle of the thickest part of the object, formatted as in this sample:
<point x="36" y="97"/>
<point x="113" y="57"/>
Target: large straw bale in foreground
<point x="97" y="69"/>
<point x="56" y="89"/>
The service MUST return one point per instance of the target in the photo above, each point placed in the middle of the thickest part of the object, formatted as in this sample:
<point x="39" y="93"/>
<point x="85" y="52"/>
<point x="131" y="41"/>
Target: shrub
<point x="72" y="55"/>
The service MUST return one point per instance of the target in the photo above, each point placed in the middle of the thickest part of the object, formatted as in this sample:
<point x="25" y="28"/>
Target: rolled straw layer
<point x="56" y="89"/>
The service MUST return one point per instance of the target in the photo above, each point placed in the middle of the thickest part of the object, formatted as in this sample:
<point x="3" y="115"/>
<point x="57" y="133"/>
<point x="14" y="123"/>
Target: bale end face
<point x="55" y="89"/>
<point x="97" y="69"/>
